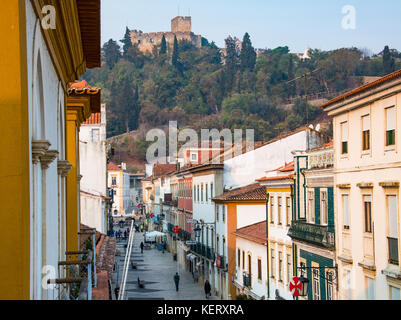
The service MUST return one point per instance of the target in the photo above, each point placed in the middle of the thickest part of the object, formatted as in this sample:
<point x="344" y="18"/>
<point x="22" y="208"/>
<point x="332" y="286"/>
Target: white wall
<point x="250" y="214"/>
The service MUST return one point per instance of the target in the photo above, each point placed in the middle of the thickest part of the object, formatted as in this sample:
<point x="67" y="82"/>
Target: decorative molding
<point x="366" y="265"/>
<point x="39" y="149"/>
<point x="79" y="177"/>
<point x="345" y="259"/>
<point x="364" y="185"/>
<point x="344" y="186"/>
<point x="63" y="166"/>
<point x="48" y="158"/>
<point x="389" y="184"/>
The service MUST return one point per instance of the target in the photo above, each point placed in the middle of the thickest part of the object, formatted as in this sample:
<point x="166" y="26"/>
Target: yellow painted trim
<point x="278" y="190"/>
<point x="14" y="157"/>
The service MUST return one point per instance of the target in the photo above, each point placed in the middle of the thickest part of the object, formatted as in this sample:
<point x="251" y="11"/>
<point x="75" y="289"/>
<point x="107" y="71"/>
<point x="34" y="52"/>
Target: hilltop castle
<point x="181" y="27"/>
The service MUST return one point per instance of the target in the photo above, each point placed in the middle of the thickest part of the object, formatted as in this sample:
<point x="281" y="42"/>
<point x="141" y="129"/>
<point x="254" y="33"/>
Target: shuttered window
<point x="366" y="132"/>
<point x="344" y="137"/>
<point x="390" y="126"/>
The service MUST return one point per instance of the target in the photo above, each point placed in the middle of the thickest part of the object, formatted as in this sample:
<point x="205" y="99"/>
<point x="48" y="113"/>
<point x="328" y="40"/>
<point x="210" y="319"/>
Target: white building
<point x="118" y="180"/>
<point x="246" y="168"/>
<point x="93" y="163"/>
<point x="367" y="174"/>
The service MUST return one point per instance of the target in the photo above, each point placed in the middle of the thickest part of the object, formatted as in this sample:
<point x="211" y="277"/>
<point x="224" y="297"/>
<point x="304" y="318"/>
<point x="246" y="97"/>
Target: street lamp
<point x="305" y="284"/>
<point x="197" y="231"/>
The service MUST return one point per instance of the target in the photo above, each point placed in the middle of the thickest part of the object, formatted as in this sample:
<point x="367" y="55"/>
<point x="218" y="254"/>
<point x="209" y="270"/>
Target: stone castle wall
<point x="180" y="27"/>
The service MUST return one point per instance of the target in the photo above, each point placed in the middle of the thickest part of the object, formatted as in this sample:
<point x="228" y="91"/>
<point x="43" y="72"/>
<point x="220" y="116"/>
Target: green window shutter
<point x="317" y="205"/>
<point x="330" y="196"/>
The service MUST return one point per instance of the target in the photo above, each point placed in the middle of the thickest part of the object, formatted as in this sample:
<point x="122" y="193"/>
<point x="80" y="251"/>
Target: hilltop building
<point x="181" y="27"/>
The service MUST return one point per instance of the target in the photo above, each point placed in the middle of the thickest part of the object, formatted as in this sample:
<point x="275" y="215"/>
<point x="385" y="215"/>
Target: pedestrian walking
<point x="176" y="280"/>
<point x="141" y="247"/>
<point x="207" y="289"/>
<point x="164" y="245"/>
<point x="196" y="275"/>
<point x="117" y="291"/>
<point x="125" y="233"/>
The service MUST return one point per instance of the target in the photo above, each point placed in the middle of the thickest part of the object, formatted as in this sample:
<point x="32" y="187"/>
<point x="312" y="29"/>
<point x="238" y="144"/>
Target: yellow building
<point x="45" y="46"/>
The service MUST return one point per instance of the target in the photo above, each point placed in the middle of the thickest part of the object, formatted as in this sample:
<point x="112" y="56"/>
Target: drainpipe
<point x="267" y="245"/>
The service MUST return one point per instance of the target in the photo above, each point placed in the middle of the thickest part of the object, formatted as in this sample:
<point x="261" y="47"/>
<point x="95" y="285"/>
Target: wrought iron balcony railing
<point x="393" y="251"/>
<point x="312" y="233"/>
<point x="247" y="280"/>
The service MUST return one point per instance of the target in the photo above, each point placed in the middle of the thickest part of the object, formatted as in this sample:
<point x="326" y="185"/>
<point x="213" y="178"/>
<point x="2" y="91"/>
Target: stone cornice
<point x="63" y="166"/>
<point x="48" y="158"/>
<point x="365" y="185"/>
<point x="39" y="149"/>
<point x="389" y="184"/>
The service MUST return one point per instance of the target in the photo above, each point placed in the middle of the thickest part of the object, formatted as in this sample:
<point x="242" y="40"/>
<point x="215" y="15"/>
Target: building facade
<point x="367" y="137"/>
<point x="118" y="181"/>
<point x="37" y="68"/>
<point x="93" y="167"/>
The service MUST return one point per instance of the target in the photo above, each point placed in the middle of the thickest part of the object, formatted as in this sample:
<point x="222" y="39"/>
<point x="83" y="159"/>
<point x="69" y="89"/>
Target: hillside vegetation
<point x="194" y="87"/>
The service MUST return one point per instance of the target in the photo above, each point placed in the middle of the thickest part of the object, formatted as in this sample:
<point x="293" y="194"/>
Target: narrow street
<point x="157" y="270"/>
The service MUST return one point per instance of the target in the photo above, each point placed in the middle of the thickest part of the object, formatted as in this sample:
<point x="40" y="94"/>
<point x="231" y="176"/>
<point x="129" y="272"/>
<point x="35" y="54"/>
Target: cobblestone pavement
<point x="157" y="270"/>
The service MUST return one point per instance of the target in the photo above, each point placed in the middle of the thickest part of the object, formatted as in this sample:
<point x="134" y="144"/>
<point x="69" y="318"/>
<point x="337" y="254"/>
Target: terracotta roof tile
<point x="275" y="178"/>
<point x="113" y="167"/>
<point x="160" y="170"/>
<point x="251" y="192"/>
<point x="95" y="118"/>
<point x="80" y="88"/>
<point x="363" y="88"/>
<point x="255" y="232"/>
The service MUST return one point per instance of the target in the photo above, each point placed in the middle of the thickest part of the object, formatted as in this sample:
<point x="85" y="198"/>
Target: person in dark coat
<point x="207" y="289"/>
<point x="117" y="291"/>
<point x="141" y="247"/>
<point x="176" y="280"/>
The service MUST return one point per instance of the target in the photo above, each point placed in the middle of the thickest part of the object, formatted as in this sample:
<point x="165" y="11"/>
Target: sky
<point x="298" y="24"/>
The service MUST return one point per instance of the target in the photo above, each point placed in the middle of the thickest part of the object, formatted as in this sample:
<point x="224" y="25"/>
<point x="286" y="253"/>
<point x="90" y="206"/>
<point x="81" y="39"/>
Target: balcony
<point x="312" y="233"/>
<point x="247" y="280"/>
<point x="393" y="251"/>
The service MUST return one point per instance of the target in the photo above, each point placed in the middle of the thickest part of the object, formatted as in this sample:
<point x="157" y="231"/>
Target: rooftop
<point x="255" y="232"/>
<point x="111" y="166"/>
<point x="95" y="118"/>
<point x="251" y="192"/>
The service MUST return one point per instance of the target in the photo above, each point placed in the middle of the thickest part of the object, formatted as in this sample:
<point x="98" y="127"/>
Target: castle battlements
<point x="181" y="27"/>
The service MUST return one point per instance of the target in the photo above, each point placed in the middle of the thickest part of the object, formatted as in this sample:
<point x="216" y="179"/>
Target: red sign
<point x="139" y="206"/>
<point x="176" y="229"/>
<point x="151" y="216"/>
<point x="295" y="287"/>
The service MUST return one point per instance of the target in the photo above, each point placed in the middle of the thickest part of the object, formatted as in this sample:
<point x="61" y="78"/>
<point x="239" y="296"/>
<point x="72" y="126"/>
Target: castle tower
<point x="181" y="24"/>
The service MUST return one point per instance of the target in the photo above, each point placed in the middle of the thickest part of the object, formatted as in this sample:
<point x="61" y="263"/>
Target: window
<point x="271" y="209"/>
<point x="348" y="286"/>
<point x="273" y="269"/>
<point x="239" y="258"/>
<point x="211" y="190"/>
<point x="243" y="260"/>
<point x="395" y="293"/>
<point x="280" y="266"/>
<point x="367" y="204"/>
<point x="311" y="206"/>
<point x="316" y="284"/>
<point x="344" y="138"/>
<point x="113" y="181"/>
<point x="223" y="212"/>
<point x="249" y="264"/>
<point x="302" y="266"/>
<point x="324" y="208"/>
<point x="366" y="132"/>
<point x="206" y="192"/>
<point x="288" y="268"/>
<point x="329" y="285"/>
<point x="390" y="126"/>
<point x="392" y="229"/>
<point x="259" y="269"/>
<point x="279" y="210"/>
<point x="288" y="210"/>
<point x="95" y="134"/>
<point x="346" y="211"/>
<point x="202" y="192"/>
<point x="197" y="187"/>
<point x="370" y="288"/>
<point x="217" y="212"/>
<point x="194" y="156"/>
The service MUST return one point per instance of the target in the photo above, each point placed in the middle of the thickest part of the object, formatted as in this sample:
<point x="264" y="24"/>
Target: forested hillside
<point x="193" y="85"/>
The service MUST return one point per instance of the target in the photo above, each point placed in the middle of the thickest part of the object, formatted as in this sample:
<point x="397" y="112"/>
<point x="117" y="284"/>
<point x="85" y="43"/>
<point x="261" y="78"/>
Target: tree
<point x="126" y="41"/>
<point x="111" y="52"/>
<point x="163" y="46"/>
<point x="231" y="65"/>
<point x="248" y="54"/>
<point x="388" y="61"/>
<point x="174" y="59"/>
